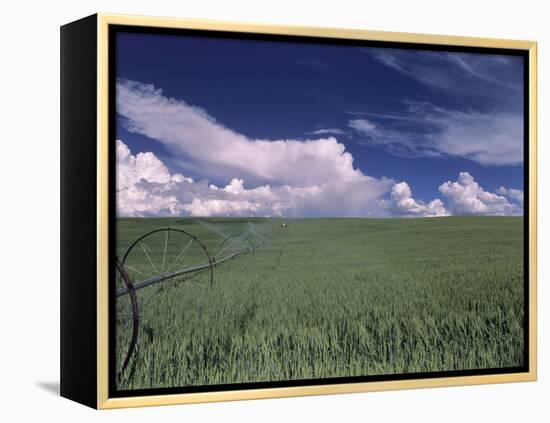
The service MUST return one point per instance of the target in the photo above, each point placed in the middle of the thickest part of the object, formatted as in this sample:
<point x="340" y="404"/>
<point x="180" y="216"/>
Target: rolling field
<point x="324" y="298"/>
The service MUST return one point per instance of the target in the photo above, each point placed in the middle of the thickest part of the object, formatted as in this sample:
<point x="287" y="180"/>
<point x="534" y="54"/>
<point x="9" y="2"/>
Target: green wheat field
<point x="321" y="298"/>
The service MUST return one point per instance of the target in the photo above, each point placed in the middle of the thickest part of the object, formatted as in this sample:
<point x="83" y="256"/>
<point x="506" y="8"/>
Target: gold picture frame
<point x="102" y="199"/>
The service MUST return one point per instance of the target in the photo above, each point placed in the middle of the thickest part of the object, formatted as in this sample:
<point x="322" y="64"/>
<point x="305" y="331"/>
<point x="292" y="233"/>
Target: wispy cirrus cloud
<point x="325" y="131"/>
<point x="471" y="106"/>
<point x="462" y="73"/>
<point x="426" y="130"/>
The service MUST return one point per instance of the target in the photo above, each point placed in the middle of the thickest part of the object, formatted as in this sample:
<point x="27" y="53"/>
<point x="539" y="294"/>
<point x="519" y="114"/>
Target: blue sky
<point x="413" y="117"/>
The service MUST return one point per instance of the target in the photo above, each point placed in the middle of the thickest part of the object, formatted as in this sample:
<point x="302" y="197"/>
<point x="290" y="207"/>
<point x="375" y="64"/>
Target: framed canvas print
<point x="253" y="211"/>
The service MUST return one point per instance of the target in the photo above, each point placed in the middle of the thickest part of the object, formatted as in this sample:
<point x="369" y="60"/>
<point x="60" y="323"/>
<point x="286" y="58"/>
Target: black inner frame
<point x="112" y="47"/>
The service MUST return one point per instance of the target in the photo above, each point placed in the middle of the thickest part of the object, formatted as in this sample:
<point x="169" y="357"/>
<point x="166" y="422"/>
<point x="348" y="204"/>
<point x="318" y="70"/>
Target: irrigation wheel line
<point x="165" y="273"/>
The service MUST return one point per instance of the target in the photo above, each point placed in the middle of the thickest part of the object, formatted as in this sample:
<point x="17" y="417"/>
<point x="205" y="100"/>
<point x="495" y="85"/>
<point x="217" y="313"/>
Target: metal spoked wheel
<point x="164" y="255"/>
<point x="235" y="243"/>
<point x="163" y="252"/>
<point x="127" y="318"/>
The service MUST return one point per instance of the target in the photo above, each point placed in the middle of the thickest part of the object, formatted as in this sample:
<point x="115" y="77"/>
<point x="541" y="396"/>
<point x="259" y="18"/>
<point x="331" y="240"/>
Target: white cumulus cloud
<point x="515" y="195"/>
<point x="466" y="196"/>
<point x="137" y="172"/>
<point x="402" y="203"/>
<point x="145" y="187"/>
<point x="213" y="150"/>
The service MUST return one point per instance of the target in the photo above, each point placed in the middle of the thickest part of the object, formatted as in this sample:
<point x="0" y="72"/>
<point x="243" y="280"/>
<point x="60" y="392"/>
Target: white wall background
<point x="29" y="166"/>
